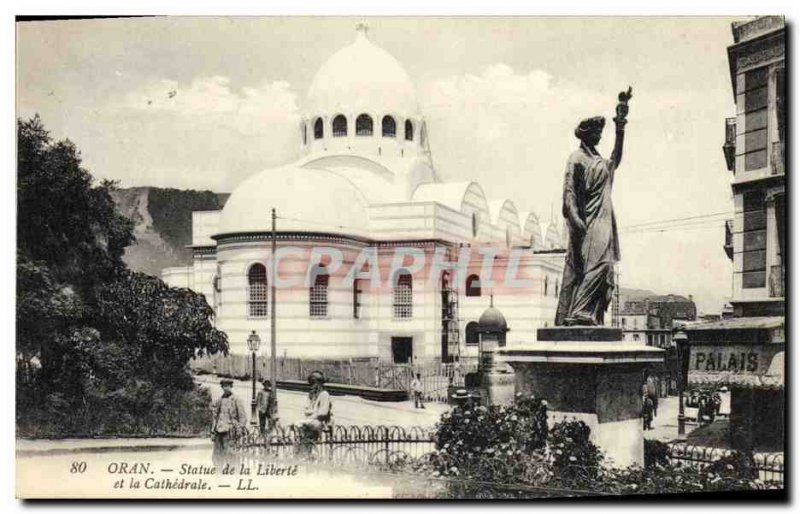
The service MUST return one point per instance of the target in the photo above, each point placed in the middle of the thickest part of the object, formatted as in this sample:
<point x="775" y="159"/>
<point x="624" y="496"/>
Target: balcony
<point x="728" y="246"/>
<point x="729" y="148"/>
<point x="776" y="278"/>
<point x="777" y="158"/>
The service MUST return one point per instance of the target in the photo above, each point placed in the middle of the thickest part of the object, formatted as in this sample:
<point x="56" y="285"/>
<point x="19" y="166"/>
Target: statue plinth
<point x="591" y="374"/>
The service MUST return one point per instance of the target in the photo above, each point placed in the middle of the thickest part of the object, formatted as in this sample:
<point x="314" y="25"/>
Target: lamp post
<point x="253" y="342"/>
<point x="680" y="340"/>
<point x="273" y="338"/>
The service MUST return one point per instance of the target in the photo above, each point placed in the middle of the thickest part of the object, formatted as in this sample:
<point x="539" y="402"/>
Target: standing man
<point x="266" y="407"/>
<point x="593" y="250"/>
<point x="416" y="390"/>
<point x="647" y="412"/>
<point x="228" y="415"/>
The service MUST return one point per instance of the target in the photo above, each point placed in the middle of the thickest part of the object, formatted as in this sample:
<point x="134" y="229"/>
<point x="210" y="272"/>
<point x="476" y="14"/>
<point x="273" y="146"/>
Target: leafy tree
<point x="99" y="347"/>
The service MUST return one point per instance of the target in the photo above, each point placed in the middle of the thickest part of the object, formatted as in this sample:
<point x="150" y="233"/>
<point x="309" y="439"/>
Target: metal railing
<point x="728" y="246"/>
<point x="340" y="444"/>
<point x="769" y="465"/>
<point x="435" y="377"/>
<point x="729" y="148"/>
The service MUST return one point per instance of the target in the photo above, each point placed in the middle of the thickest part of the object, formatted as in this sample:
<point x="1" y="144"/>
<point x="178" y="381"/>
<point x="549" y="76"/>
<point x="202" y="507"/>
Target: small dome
<point x="361" y="77"/>
<point x="492" y="321"/>
<point x="306" y="200"/>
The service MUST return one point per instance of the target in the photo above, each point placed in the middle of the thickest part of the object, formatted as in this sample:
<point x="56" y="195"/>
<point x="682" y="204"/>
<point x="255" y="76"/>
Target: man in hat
<point x="266" y="407"/>
<point x="318" y="411"/>
<point x="228" y="415"/>
<point x="593" y="242"/>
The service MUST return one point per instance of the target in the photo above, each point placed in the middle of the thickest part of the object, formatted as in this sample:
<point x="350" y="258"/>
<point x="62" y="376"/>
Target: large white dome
<point x="361" y="77"/>
<point x="306" y="200"/>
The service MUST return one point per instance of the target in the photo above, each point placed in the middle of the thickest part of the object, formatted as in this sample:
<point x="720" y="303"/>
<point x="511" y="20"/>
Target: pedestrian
<point x="654" y="399"/>
<point x="318" y="413"/>
<point x="228" y="416"/>
<point x="267" y="407"/>
<point x="702" y="409"/>
<point x="647" y="412"/>
<point x="416" y="390"/>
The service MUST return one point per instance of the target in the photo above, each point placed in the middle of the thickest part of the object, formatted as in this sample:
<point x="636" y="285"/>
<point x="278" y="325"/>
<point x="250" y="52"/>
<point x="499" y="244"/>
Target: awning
<point x="761" y="322"/>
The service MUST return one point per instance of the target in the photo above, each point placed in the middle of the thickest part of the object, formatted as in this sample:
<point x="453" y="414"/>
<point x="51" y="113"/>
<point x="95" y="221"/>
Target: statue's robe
<point x="588" y="281"/>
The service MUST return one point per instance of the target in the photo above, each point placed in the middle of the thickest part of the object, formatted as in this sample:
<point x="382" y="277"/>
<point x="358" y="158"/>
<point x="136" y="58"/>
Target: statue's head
<point x="590" y="130"/>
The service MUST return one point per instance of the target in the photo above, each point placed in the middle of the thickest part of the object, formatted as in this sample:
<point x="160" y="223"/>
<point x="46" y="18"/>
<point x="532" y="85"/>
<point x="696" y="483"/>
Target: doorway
<point x="402" y="350"/>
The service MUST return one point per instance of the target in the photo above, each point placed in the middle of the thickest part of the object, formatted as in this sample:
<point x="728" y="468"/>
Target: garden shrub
<point x="508" y="452"/>
<point x="655" y="453"/>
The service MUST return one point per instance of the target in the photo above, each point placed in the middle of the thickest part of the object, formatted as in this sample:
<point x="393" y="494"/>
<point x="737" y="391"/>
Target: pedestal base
<point x="597" y="380"/>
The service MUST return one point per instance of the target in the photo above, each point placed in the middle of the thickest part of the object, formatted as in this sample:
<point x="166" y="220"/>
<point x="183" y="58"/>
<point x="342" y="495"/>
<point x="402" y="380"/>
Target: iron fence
<point x="409" y="453"/>
<point x="341" y="444"/>
<point x="436" y="377"/>
<point x="769" y="465"/>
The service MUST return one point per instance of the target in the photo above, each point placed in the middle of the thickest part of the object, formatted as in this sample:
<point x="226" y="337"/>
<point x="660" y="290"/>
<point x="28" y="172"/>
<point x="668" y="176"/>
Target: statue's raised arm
<point x="620" y="121"/>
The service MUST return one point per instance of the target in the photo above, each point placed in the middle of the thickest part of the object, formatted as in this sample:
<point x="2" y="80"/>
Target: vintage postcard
<point x="400" y="257"/>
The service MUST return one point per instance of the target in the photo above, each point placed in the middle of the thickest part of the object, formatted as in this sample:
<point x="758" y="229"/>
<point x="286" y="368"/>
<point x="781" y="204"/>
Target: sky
<point x="501" y="97"/>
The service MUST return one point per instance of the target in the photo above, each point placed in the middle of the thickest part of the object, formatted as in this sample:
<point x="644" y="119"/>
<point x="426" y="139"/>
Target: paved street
<point x="665" y="424"/>
<point x="347" y="410"/>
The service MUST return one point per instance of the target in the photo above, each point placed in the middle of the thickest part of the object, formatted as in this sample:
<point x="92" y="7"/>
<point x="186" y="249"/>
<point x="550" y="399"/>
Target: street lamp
<point x="253" y="342"/>
<point x="680" y="340"/>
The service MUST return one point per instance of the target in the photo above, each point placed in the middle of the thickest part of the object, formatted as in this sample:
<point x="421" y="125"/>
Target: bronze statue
<point x="593" y="250"/>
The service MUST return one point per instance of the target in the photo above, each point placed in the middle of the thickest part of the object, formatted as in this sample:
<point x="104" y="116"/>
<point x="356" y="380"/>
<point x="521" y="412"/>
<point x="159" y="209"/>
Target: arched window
<point x="339" y="126"/>
<point x="318" y="292"/>
<point x="403" y="307"/>
<point x="357" y="291"/>
<point x="364" y="125"/>
<point x="319" y="130"/>
<point x="409" y="130"/>
<point x="388" y="127"/>
<point x="471" y="334"/>
<point x="257" y="291"/>
<point x="545" y="285"/>
<point x="473" y="285"/>
<point x="303" y="131"/>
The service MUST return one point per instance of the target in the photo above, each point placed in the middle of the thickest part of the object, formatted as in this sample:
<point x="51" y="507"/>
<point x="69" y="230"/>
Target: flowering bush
<point x="572" y="453"/>
<point x="508" y="452"/>
<point x="656" y="453"/>
<point x="470" y="436"/>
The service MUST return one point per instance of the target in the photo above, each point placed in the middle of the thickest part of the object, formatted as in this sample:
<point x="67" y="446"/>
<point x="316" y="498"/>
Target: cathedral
<point x="438" y="254"/>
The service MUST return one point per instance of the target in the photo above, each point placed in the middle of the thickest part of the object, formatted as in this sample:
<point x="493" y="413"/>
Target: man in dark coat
<point x="228" y="416"/>
<point x="267" y="407"/>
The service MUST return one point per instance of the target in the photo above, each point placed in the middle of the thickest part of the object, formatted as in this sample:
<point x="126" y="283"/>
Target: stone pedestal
<point x="590" y="374"/>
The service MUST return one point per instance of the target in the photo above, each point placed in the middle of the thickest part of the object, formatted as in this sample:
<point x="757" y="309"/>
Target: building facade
<point x="376" y="256"/>
<point x="745" y="352"/>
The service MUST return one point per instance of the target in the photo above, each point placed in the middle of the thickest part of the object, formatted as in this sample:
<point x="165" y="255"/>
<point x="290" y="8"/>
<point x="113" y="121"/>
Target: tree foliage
<point x="93" y="338"/>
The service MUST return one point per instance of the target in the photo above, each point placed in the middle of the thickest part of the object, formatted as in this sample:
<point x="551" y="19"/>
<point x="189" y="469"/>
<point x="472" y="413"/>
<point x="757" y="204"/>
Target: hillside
<point x="163" y="224"/>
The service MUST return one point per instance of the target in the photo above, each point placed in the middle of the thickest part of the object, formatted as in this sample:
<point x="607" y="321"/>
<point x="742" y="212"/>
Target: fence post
<point x="386" y="444"/>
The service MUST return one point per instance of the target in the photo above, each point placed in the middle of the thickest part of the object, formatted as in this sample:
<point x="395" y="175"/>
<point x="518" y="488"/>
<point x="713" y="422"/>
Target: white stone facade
<point x="358" y="192"/>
